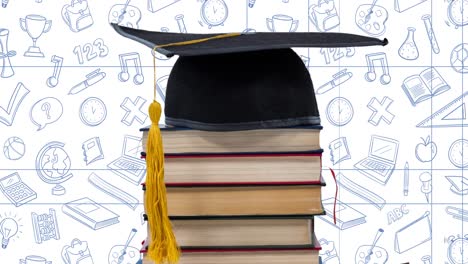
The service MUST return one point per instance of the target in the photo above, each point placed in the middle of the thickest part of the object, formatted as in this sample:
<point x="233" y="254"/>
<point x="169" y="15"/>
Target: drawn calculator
<point x="16" y="190"/>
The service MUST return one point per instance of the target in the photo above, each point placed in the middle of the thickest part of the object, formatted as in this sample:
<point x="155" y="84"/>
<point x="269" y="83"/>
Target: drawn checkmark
<point x="7" y="116"/>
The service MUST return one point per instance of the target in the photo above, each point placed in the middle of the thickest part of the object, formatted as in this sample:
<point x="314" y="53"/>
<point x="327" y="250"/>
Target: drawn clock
<point x="339" y="111"/>
<point x="457" y="247"/>
<point x="456" y="12"/>
<point x="214" y="12"/>
<point x="93" y="111"/>
<point x="458" y="153"/>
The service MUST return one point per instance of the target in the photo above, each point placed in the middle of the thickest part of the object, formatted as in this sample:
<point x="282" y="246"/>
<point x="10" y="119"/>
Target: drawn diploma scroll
<point x="5" y="54"/>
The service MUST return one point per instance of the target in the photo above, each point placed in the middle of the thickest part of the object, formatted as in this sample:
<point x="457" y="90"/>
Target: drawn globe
<point x="55" y="163"/>
<point x="53" y="166"/>
<point x="458" y="58"/>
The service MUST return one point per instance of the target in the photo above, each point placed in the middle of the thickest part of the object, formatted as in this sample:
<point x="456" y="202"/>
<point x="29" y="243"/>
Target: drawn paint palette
<point x="371" y="19"/>
<point x="132" y="254"/>
<point x="379" y="256"/>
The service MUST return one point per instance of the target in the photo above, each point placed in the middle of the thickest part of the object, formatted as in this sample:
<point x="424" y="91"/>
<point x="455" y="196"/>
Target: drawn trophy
<point x="5" y="54"/>
<point x="35" y="25"/>
<point x="282" y="23"/>
<point x="32" y="259"/>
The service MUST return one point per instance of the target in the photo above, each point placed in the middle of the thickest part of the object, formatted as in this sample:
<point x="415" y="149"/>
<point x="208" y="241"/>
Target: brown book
<point x="243" y="200"/>
<point x="242" y="169"/>
<point x="177" y="140"/>
<point x="249" y="256"/>
<point x="244" y="232"/>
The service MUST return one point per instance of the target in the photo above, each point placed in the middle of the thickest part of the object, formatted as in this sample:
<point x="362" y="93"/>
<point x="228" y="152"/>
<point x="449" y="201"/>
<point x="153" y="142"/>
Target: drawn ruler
<point x="113" y="191"/>
<point x="360" y="191"/>
<point x="451" y="115"/>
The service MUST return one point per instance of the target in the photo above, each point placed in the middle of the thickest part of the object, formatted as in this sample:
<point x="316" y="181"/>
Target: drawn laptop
<point x="380" y="162"/>
<point x="130" y="166"/>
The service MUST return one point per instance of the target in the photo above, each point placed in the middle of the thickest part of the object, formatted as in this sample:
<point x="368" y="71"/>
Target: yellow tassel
<point x="163" y="246"/>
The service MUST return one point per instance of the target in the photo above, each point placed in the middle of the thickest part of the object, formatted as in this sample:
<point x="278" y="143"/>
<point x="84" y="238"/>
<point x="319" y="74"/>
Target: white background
<point x="70" y="130"/>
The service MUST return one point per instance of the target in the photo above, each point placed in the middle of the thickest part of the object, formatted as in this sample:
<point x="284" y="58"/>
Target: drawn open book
<point x="422" y="87"/>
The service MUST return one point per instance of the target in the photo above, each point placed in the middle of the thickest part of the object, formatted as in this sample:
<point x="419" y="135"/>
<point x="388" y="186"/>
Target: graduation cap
<point x="241" y="81"/>
<point x="225" y="82"/>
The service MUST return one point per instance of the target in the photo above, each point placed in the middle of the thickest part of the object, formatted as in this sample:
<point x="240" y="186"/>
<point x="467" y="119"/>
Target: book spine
<point x="240" y="184"/>
<point x="79" y="217"/>
<point x="243" y="249"/>
<point x="315" y="152"/>
<point x="243" y="155"/>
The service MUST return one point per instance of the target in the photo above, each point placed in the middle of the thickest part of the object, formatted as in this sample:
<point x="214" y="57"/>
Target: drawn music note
<point x="53" y="80"/>
<point x="124" y="75"/>
<point x="371" y="75"/>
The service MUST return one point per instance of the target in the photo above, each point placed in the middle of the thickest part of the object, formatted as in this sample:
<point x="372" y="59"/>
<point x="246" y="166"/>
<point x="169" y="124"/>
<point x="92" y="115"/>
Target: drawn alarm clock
<point x="214" y="12"/>
<point x="371" y="18"/>
<point x="455" y="153"/>
<point x="457" y="245"/>
<point x="340" y="111"/>
<point x="456" y="14"/>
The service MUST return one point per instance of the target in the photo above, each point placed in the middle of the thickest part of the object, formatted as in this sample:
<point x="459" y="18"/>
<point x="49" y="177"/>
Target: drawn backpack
<point x="328" y="252"/>
<point x="77" y="253"/>
<point x="324" y="15"/>
<point x="77" y="15"/>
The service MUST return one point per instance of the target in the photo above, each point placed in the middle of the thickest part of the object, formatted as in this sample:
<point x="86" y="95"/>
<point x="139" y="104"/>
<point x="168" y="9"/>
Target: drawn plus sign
<point x="133" y="109"/>
<point x="380" y="111"/>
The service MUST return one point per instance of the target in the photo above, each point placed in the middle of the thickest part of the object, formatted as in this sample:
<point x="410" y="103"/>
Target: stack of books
<point x="243" y="196"/>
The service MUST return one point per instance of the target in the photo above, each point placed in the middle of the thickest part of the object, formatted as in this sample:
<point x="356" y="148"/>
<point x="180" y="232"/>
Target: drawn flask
<point x="408" y="49"/>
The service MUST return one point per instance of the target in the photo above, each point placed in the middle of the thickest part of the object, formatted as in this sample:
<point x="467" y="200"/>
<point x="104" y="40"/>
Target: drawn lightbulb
<point x="8" y="228"/>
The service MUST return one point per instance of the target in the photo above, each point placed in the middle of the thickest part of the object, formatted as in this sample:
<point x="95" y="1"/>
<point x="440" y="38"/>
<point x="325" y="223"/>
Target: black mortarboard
<point x="250" y="81"/>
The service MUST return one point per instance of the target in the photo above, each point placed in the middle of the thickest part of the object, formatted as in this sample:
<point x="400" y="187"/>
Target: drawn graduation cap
<point x="225" y="82"/>
<point x="459" y="184"/>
